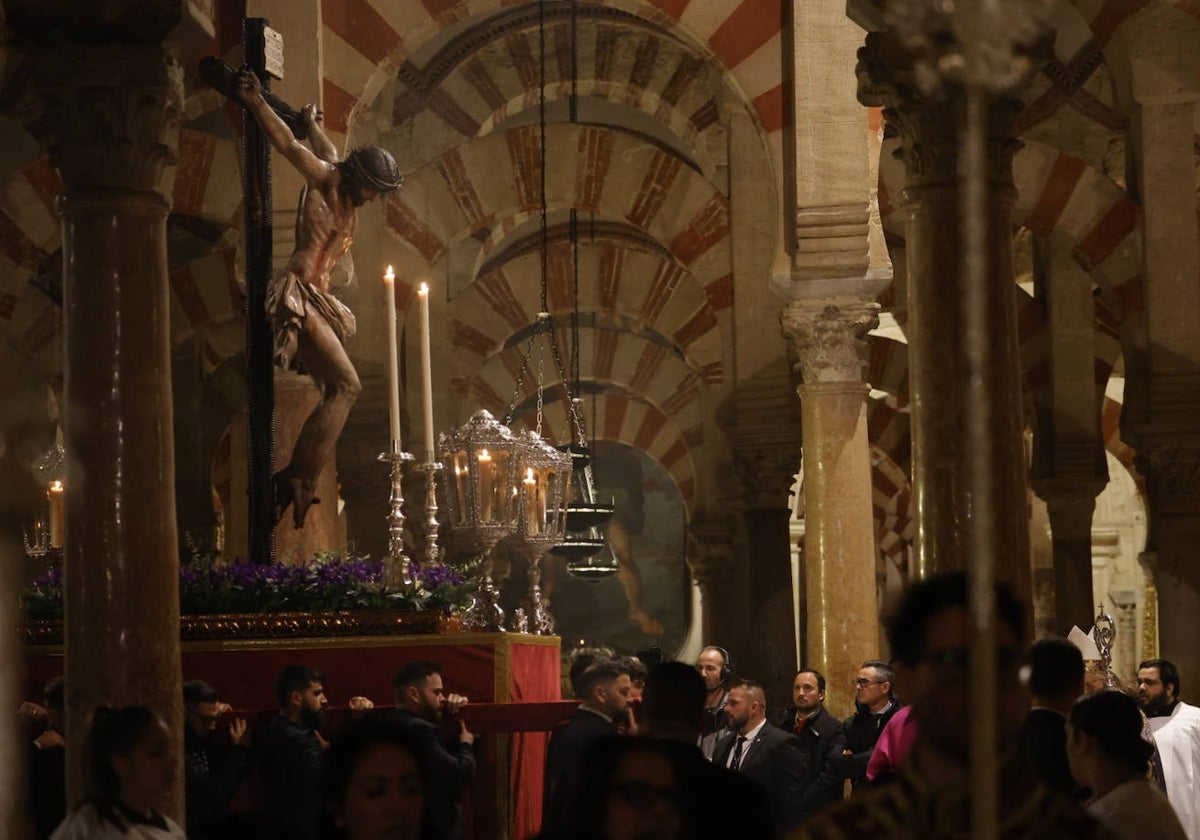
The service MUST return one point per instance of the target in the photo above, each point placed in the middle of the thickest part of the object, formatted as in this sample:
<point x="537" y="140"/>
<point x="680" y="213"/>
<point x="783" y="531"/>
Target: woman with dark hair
<point x="371" y="784"/>
<point x="1109" y="756"/>
<point x="131" y="766"/>
<point x="625" y="789"/>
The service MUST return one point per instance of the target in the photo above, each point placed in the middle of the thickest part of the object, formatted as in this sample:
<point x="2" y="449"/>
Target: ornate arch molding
<point x="624" y="416"/>
<point x="470" y="89"/>
<point x="1061" y="195"/>
<point x="632" y="362"/>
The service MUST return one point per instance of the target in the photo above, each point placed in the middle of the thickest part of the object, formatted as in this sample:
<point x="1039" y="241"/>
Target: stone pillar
<point x="711" y="560"/>
<point x="1069" y="468"/>
<point x="1125" y="661"/>
<point x="840" y="554"/>
<point x="1173" y="484"/>
<point x="1164" y="379"/>
<point x="929" y="129"/>
<point x="767" y="470"/>
<point x="111" y="113"/>
<point x="1071" y="536"/>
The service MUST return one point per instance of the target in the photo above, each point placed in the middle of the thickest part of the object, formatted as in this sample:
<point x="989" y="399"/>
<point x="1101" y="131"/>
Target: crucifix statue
<point x="309" y="323"/>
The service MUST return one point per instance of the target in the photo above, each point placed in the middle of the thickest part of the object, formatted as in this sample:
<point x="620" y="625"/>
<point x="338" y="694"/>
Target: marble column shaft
<point x="767" y="472"/>
<point x="1071" y="537"/>
<point x="711" y="560"/>
<point x="1158" y="417"/>
<point x="111" y="112"/>
<point x="938" y="375"/>
<point x="1173" y="485"/>
<point x="842" y="629"/>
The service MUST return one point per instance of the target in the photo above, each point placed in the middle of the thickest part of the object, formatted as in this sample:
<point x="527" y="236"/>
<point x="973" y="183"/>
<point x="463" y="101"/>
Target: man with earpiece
<point x="716" y="668"/>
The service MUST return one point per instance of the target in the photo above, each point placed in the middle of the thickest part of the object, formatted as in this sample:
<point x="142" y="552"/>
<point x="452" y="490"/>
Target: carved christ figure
<point x="310" y="325"/>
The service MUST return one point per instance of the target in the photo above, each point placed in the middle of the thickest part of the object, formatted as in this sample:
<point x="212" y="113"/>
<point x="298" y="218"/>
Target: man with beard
<point x="293" y="753"/>
<point x="763" y="753"/>
<point x="1176" y="727"/>
<point x="930" y="797"/>
<point x="821" y="737"/>
<point x="715" y="666"/>
<point x="213" y="768"/>
<point x="421" y="701"/>
<point x="310" y="324"/>
<point x="603" y="693"/>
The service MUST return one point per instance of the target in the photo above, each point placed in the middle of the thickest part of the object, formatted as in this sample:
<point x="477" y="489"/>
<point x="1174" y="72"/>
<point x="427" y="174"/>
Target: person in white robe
<point x="1176" y="727"/>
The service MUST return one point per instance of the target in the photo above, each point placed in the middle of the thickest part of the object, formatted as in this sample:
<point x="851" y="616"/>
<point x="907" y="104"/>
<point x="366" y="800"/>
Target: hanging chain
<point x="519" y="387"/>
<point x="540" y="382"/>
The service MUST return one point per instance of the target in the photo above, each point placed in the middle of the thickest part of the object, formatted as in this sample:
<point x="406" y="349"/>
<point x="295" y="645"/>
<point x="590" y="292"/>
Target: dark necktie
<point x="737" y="753"/>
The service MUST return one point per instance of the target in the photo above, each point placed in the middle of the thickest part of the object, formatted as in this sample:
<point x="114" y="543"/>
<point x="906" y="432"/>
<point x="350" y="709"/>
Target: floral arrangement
<point x="328" y="583"/>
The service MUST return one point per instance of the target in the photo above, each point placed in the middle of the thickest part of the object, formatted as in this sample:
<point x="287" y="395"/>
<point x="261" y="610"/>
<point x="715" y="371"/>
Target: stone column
<point x="1071" y="535"/>
<point x="111" y="113"/>
<point x="1125" y="661"/>
<point x="711" y="560"/>
<point x="1069" y="468"/>
<point x="767" y="469"/>
<point x="929" y="129"/>
<point x="840" y="554"/>
<point x="1173" y="484"/>
<point x="1159" y="418"/>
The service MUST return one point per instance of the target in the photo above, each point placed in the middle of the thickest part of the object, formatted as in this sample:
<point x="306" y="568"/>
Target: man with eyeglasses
<point x="213" y="769"/>
<point x="875" y="705"/>
<point x="930" y="796"/>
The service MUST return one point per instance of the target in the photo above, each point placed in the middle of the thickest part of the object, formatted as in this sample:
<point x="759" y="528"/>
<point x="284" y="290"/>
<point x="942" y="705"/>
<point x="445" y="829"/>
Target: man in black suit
<point x="603" y="693"/>
<point x="764" y="753"/>
<point x="672" y="710"/>
<point x="449" y="766"/>
<point x="1055" y="682"/>
<point x="821" y="736"/>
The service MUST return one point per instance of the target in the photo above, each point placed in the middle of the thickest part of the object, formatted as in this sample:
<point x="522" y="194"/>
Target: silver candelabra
<point x="431" y="468"/>
<point x="397" y="570"/>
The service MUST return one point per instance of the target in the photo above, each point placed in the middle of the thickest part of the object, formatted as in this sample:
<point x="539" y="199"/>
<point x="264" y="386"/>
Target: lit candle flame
<point x="529" y="479"/>
<point x="424" y="290"/>
<point x="389" y="275"/>
<point x="484" y="456"/>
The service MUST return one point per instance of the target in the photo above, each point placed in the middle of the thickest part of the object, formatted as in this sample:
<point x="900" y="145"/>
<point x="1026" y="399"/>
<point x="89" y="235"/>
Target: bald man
<point x="764" y="753"/>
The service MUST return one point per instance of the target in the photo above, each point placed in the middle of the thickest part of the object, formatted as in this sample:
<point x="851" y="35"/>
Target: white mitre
<point x="1085" y="643"/>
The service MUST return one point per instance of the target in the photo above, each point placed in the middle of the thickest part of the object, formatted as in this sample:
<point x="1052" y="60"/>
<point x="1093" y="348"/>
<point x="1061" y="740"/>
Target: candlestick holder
<point x="39" y="546"/>
<point x="485" y="615"/>
<point x="431" y="468"/>
<point x="397" y="570"/>
<point x="541" y="622"/>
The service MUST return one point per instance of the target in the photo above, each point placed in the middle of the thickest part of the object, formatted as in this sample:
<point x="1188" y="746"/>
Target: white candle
<point x="54" y="494"/>
<point x="393" y="362"/>
<point x="427" y="373"/>
<point x="487" y="485"/>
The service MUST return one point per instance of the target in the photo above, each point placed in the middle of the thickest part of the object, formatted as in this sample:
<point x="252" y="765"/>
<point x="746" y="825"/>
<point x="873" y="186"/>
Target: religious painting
<point x="646" y="602"/>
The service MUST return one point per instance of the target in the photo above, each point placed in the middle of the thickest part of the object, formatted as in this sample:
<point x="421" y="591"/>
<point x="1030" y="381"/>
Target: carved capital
<point x="1172" y="479"/>
<point x="767" y="473"/>
<point x="829" y="339"/>
<point x="109" y="113"/>
<point x="711" y="552"/>
<point x="926" y="115"/>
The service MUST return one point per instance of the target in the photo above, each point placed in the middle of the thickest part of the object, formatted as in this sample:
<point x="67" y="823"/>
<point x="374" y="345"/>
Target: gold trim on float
<point x="328" y="643"/>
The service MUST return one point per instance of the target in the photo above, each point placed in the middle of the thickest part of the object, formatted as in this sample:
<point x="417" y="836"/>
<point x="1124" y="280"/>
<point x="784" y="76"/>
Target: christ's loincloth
<point x="290" y="301"/>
